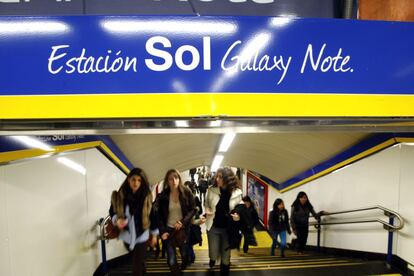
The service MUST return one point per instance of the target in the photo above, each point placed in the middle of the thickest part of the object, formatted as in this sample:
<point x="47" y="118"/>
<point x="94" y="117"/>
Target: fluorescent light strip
<point x="216" y="162"/>
<point x="226" y="141"/>
<point x="37" y="27"/>
<point x="281" y="21"/>
<point x="71" y="164"/>
<point x="215" y="123"/>
<point x="179" y="27"/>
<point x="181" y="123"/>
<point x="33" y="143"/>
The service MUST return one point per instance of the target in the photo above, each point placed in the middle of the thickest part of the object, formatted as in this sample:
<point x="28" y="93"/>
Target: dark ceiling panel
<point x="132" y="7"/>
<point x="296" y="8"/>
<point x="42" y="7"/>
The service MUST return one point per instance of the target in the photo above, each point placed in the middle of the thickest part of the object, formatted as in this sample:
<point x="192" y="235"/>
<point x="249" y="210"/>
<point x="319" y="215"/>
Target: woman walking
<point x="176" y="209"/>
<point x="301" y="208"/>
<point x="131" y="211"/>
<point x="195" y="235"/>
<point x="278" y="226"/>
<point x="221" y="199"/>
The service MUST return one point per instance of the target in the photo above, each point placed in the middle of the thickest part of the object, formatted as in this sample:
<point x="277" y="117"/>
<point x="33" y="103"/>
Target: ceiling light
<point x="37" y="27"/>
<point x="181" y="123"/>
<point x="226" y="141"/>
<point x="216" y="162"/>
<point x="215" y="123"/>
<point x="179" y="27"/>
<point x="281" y="21"/>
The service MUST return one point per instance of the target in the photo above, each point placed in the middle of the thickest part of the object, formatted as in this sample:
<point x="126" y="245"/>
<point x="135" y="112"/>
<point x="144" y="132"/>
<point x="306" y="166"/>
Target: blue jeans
<point x="282" y="241"/>
<point x="171" y="252"/>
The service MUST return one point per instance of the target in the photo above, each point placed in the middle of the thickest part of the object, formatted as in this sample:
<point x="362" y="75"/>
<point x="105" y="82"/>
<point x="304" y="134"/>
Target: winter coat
<point x="248" y="220"/>
<point x="300" y="216"/>
<point x="213" y="197"/>
<point x="279" y="221"/>
<point x="195" y="229"/>
<point x="203" y="185"/>
<point x="248" y="217"/>
<point x="187" y="208"/>
<point x="143" y="221"/>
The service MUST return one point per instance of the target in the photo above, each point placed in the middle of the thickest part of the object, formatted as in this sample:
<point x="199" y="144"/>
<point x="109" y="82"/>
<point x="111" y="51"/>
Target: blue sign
<point x="153" y="54"/>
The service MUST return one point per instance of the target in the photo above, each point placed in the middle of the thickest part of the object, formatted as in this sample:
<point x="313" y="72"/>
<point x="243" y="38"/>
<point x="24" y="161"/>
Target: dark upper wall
<point x="297" y="8"/>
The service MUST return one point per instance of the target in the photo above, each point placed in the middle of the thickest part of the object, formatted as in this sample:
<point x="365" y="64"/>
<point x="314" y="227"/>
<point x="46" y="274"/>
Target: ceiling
<point x="278" y="156"/>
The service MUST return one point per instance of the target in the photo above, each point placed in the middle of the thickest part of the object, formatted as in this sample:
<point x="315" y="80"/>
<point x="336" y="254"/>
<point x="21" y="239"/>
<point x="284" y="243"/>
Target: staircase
<point x="259" y="262"/>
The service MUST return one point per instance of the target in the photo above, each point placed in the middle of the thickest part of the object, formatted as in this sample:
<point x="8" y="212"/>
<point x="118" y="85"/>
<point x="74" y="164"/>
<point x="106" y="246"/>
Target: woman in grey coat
<point x="299" y="219"/>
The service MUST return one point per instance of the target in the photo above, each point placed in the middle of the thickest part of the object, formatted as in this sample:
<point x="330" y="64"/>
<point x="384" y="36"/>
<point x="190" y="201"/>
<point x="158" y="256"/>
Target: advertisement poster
<point x="257" y="191"/>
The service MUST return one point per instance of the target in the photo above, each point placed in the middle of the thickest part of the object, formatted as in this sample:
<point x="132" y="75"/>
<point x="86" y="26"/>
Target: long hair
<point x="143" y="189"/>
<point x="181" y="187"/>
<point x="135" y="200"/>
<point x="296" y="203"/>
<point x="275" y="204"/>
<point x="230" y="180"/>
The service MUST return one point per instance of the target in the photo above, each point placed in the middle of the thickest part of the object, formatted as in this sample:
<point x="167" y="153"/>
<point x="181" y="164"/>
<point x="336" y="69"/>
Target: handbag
<point x="196" y="236"/>
<point x="178" y="237"/>
<point x="110" y="231"/>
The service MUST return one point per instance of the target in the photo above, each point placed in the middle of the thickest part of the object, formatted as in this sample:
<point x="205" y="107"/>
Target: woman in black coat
<point x="176" y="208"/>
<point x="301" y="209"/>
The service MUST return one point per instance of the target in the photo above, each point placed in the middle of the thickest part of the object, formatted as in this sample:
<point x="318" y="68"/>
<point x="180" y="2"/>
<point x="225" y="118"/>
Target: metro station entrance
<point x="307" y="110"/>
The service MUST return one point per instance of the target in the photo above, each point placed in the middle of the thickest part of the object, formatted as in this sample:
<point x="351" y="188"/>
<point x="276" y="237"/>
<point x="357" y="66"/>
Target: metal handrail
<point x="101" y="223"/>
<point x="389" y="226"/>
<point x="387" y="212"/>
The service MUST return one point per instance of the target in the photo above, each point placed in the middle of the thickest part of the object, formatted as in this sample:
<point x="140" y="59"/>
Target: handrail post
<point x="390" y="242"/>
<point x="103" y="246"/>
<point x="104" y="263"/>
<point x="319" y="235"/>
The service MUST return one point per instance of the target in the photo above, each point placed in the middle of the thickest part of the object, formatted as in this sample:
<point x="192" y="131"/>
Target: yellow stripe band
<point x="203" y="104"/>
<point x="32" y="153"/>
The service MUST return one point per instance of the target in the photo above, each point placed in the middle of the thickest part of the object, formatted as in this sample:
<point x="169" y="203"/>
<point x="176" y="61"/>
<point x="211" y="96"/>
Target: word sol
<point x="152" y="48"/>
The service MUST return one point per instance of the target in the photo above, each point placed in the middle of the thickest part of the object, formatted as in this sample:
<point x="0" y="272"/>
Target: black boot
<point x="184" y="263"/>
<point x="282" y="253"/>
<point x="212" y="263"/>
<point x="224" y="270"/>
<point x="175" y="270"/>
